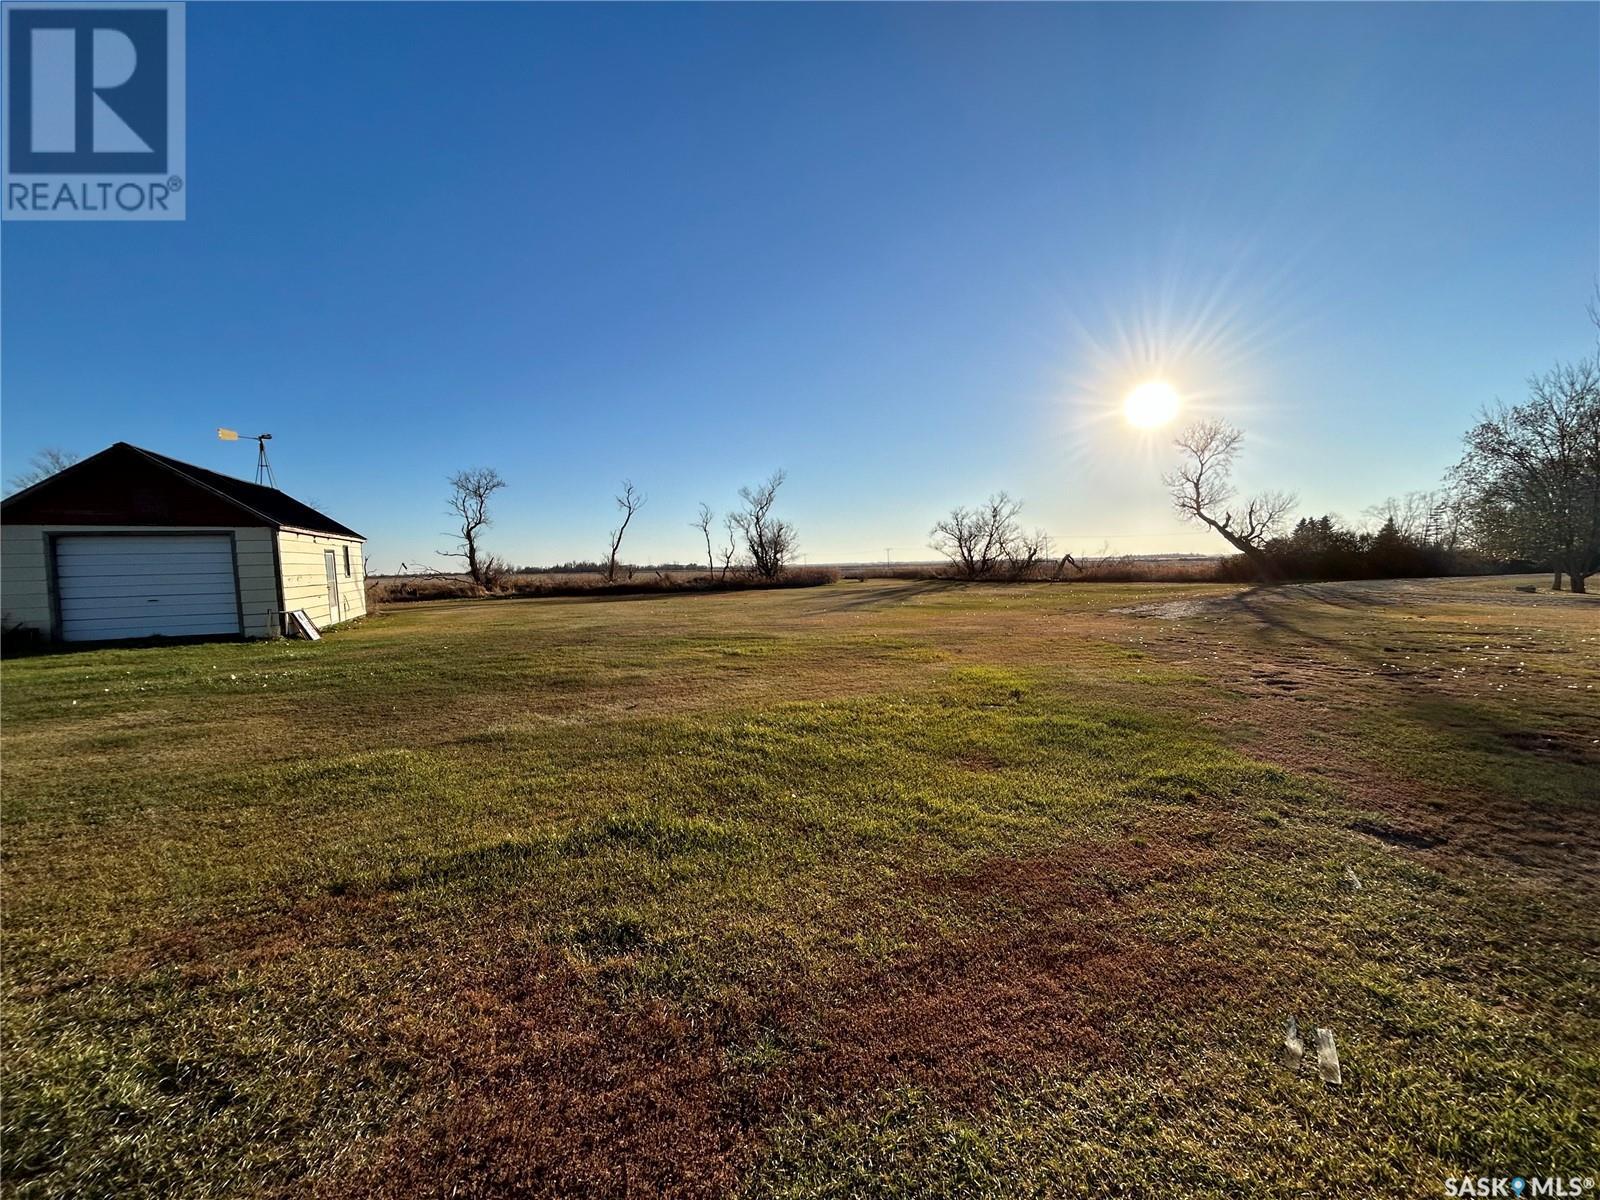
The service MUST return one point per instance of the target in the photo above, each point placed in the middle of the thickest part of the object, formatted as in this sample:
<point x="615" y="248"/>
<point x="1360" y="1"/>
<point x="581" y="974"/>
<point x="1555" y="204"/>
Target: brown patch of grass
<point x="213" y="948"/>
<point x="545" y="1090"/>
<point x="543" y="1086"/>
<point x="1569" y="747"/>
<point x="1409" y="839"/>
<point x="1041" y="986"/>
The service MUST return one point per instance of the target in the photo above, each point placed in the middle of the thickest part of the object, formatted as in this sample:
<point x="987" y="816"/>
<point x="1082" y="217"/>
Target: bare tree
<point x="1024" y="551"/>
<point x="770" y="542"/>
<point x="469" y="503"/>
<point x="702" y="522"/>
<point x="1531" y="473"/>
<point x="629" y="502"/>
<point x="1202" y="488"/>
<point x="730" y="549"/>
<point x="1066" y="560"/>
<point x="41" y="466"/>
<point x="977" y="540"/>
<point x="494" y="572"/>
<point x="1410" y="514"/>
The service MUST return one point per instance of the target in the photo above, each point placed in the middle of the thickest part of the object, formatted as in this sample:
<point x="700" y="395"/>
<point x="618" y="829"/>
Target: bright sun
<point x="1151" y="404"/>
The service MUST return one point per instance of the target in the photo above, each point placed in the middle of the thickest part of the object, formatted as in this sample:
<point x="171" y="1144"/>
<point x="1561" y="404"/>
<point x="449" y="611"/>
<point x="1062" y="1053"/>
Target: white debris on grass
<point x="1293" y="1048"/>
<point x="1328" y="1058"/>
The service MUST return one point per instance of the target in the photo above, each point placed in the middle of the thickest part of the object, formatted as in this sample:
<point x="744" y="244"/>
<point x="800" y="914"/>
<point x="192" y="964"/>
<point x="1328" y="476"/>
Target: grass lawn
<point x="883" y="889"/>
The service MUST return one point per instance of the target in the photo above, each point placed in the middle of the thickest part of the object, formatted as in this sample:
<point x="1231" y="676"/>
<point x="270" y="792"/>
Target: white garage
<point x="131" y="544"/>
<point x="146" y="585"/>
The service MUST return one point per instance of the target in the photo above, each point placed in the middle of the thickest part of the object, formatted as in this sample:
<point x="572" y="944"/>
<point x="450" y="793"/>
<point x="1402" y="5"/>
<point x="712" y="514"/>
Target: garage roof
<point x="128" y="485"/>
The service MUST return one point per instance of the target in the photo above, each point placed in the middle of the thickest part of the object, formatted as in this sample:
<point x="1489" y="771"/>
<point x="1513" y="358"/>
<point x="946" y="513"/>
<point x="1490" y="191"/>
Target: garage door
<point x="142" y="585"/>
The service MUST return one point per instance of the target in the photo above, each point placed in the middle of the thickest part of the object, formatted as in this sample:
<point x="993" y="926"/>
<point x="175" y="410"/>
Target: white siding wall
<point x="25" y="577"/>
<point x="258" y="582"/>
<point x="305" y="579"/>
<point x="25" y="571"/>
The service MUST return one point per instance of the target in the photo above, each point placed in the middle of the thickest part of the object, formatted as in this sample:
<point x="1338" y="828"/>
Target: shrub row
<point x="392" y="589"/>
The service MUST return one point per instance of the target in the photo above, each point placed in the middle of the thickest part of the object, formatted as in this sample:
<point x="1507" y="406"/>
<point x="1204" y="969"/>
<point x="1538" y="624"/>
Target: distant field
<point x="896" y="889"/>
<point x="1150" y="568"/>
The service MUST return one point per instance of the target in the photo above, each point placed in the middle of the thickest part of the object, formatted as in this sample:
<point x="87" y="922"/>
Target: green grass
<point x="877" y="889"/>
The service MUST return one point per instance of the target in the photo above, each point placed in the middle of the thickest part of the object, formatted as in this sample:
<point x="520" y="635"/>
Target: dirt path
<point x="1364" y="685"/>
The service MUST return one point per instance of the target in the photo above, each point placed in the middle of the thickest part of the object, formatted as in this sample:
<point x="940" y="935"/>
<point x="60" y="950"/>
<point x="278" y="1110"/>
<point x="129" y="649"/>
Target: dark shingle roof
<point x="125" y="484"/>
<point x="275" y="506"/>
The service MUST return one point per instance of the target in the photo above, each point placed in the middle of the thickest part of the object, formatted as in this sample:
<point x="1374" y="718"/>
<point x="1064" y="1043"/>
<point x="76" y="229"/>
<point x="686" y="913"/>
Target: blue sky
<point x="912" y="254"/>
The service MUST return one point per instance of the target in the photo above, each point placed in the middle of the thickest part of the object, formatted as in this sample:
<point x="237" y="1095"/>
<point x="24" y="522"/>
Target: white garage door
<point x="141" y="585"/>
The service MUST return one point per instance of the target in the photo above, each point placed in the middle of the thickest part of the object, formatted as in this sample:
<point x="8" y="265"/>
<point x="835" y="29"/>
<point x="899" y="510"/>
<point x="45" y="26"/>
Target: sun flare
<point x="1151" y="405"/>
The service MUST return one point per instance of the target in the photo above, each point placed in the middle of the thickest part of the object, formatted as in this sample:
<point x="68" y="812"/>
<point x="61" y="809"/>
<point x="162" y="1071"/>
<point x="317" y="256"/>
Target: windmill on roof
<point x="264" y="474"/>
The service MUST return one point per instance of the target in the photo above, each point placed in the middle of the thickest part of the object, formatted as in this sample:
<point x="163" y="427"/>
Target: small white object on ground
<point x="1328" y="1058"/>
<point x="1293" y="1047"/>
<point x="1353" y="878"/>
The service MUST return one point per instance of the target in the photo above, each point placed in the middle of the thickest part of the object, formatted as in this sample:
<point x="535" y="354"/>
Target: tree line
<point x="752" y="540"/>
<point x="1525" y="493"/>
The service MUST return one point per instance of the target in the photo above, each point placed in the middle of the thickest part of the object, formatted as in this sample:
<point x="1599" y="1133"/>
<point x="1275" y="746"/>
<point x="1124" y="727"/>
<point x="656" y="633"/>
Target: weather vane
<point x="263" y="467"/>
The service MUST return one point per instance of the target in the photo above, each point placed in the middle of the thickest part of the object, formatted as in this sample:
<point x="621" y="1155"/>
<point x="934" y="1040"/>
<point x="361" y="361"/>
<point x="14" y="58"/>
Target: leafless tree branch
<point x="470" y="491"/>
<point x="1201" y="486"/>
<point x="702" y="522"/>
<point x="769" y="541"/>
<point x="1530" y="477"/>
<point x="629" y="502"/>
<point x="43" y="465"/>
<point x="977" y="540"/>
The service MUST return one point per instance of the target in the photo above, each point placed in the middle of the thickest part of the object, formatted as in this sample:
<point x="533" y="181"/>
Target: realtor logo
<point x="94" y="112"/>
